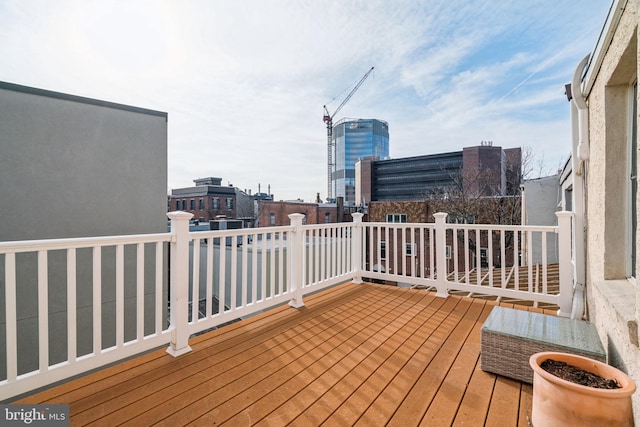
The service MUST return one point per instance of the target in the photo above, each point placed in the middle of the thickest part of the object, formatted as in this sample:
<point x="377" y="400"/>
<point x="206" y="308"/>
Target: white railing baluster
<point x="244" y="287"/>
<point x="209" y="279"/>
<point x="490" y="256"/>
<point x="403" y="250"/>
<point x="530" y="261"/>
<point x="195" y="274"/>
<point x="316" y="251"/>
<point x="11" y="316"/>
<point x="234" y="275"/>
<point x="283" y="281"/>
<point x="43" y="311"/>
<point x="454" y="253"/>
<point x="344" y="267"/>
<point x="72" y="325"/>
<point x="338" y="266"/>
<point x="322" y="254"/>
<point x="263" y="275"/>
<point x="158" y="289"/>
<point x="503" y="260"/>
<point x="72" y="311"/>
<point x="478" y="258"/>
<point x="119" y="296"/>
<point x="376" y="249"/>
<point x="414" y="249"/>
<point x="222" y="278"/>
<point x="422" y="253"/>
<point x="97" y="299"/>
<point x="140" y="291"/>
<point x="432" y="254"/>
<point x="396" y="251"/>
<point x="254" y="268"/>
<point x="272" y="283"/>
<point x="467" y="257"/>
<point x="516" y="258"/>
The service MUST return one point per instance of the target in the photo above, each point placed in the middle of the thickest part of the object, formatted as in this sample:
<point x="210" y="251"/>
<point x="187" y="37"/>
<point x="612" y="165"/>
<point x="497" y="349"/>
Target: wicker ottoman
<point x="509" y="337"/>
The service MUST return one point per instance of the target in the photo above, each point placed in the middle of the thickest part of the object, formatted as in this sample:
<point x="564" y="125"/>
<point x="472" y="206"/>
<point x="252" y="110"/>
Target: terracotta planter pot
<point x="557" y="402"/>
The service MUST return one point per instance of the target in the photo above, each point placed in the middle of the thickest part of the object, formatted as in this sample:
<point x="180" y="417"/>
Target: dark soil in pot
<point x="578" y="376"/>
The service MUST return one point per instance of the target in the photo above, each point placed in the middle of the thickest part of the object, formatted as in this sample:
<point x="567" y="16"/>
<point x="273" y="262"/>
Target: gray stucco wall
<point x="71" y="168"/>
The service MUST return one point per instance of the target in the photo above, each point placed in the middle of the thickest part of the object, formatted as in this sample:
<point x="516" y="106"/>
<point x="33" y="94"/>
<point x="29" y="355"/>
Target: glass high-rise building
<point x="356" y="139"/>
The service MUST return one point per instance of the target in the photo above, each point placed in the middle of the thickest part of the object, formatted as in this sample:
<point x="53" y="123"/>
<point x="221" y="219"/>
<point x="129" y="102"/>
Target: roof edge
<point x="81" y="99"/>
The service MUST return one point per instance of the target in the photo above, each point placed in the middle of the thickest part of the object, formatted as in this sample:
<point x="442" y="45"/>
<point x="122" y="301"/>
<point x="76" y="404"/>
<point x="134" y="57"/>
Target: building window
<point x="409" y="249"/>
<point x="201" y="204"/>
<point x="327" y="218"/>
<point x="448" y="251"/>
<point x="229" y="203"/>
<point x="184" y="204"/>
<point x="383" y="250"/>
<point x="215" y="203"/>
<point x="177" y="205"/>
<point x="484" y="258"/>
<point x="632" y="185"/>
<point x="397" y="218"/>
<point x="272" y="219"/>
<point x="192" y="205"/>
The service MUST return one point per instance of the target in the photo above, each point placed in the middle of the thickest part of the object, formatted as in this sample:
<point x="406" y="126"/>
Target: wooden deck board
<point x="430" y="380"/>
<point x="446" y="403"/>
<point x="505" y="403"/>
<point x="378" y="377"/>
<point x="366" y="354"/>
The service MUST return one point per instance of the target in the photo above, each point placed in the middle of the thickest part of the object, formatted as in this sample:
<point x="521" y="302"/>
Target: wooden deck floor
<point x="354" y="355"/>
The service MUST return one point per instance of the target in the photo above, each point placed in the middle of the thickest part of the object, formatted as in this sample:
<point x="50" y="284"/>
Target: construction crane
<point x="328" y="119"/>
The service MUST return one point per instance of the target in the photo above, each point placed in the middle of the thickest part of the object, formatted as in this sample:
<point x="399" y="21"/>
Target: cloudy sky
<point x="244" y="82"/>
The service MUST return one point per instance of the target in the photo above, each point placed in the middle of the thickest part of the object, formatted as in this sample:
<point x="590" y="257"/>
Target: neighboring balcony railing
<point x="73" y="305"/>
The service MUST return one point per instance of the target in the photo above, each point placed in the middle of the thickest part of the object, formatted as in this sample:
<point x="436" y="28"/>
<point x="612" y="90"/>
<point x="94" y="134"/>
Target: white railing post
<point x="295" y="249"/>
<point x="564" y="263"/>
<point x="179" y="288"/>
<point x="356" y="247"/>
<point x="441" y="255"/>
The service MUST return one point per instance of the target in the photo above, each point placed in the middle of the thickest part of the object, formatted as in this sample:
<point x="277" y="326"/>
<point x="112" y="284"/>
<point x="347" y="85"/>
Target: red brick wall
<point x="314" y="214"/>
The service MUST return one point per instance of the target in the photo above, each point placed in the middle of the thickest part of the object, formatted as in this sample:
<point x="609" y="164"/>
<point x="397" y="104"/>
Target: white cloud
<point x="244" y="82"/>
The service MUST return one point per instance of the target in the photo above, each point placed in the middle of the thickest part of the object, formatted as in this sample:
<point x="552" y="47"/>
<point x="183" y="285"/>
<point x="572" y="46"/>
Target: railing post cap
<point x="296" y="218"/>
<point x="440" y="215"/>
<point x="357" y="216"/>
<point x="564" y="214"/>
<point x="180" y="215"/>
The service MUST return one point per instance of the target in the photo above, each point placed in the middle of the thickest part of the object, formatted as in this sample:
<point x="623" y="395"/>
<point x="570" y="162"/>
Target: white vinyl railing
<point x="530" y="263"/>
<point x="72" y="305"/>
<point x="63" y="317"/>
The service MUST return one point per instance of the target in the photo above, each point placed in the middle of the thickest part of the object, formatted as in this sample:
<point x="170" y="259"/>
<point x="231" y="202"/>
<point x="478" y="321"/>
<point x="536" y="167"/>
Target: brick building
<point x="275" y="214"/>
<point x="210" y="199"/>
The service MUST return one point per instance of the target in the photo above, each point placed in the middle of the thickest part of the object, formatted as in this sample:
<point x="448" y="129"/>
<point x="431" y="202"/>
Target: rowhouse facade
<point x="209" y="199"/>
